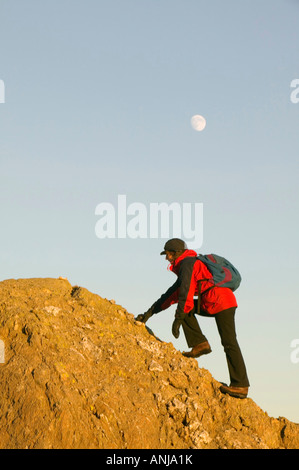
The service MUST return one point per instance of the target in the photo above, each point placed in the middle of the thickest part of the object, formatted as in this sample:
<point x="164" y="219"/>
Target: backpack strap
<point x="199" y="297"/>
<point x="199" y="293"/>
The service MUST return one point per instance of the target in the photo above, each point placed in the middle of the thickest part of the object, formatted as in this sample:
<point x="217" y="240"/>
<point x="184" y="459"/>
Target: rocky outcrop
<point x="80" y="372"/>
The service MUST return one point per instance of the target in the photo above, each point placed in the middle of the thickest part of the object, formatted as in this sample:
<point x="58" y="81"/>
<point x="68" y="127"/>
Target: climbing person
<point x="194" y="279"/>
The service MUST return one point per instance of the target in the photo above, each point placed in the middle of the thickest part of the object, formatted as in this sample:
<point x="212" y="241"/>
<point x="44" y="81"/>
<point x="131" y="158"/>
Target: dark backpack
<point x="224" y="273"/>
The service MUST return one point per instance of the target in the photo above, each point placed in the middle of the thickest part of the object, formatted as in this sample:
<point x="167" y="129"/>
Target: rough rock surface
<point x="80" y="372"/>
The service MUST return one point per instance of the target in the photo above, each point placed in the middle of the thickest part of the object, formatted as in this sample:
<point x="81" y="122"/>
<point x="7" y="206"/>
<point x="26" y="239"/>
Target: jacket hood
<point x="175" y="267"/>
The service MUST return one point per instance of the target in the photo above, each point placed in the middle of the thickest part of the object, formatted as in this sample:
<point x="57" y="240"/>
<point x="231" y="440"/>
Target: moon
<point x="198" y="122"/>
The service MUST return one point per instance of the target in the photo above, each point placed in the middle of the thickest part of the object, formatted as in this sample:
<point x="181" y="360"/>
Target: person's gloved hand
<point x="176" y="327"/>
<point x="143" y="317"/>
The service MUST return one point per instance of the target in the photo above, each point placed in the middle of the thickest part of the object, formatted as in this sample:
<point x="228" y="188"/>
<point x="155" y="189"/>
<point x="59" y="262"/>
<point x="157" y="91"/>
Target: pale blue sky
<point x="98" y="101"/>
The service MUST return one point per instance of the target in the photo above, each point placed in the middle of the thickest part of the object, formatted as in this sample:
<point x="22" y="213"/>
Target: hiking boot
<point x="236" y="392"/>
<point x="198" y="350"/>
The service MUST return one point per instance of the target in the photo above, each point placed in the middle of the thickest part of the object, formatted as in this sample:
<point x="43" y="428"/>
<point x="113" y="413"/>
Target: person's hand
<point x="176" y="328"/>
<point x="143" y="317"/>
<point x="140" y="318"/>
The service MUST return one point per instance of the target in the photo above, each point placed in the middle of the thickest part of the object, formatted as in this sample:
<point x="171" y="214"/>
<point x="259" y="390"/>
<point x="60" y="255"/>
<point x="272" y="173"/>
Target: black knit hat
<point x="175" y="244"/>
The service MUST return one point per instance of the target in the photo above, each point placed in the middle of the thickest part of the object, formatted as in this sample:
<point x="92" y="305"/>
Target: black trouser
<point x="225" y="321"/>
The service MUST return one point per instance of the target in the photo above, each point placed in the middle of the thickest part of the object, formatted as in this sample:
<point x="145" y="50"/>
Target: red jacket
<point x="189" y="271"/>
